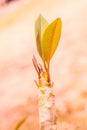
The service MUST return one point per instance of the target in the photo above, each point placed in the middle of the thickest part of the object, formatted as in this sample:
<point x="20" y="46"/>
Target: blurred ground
<point x="18" y="93"/>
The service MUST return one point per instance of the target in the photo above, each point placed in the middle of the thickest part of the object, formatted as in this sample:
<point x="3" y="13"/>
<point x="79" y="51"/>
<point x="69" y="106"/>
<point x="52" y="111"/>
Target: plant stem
<point x="47" y="111"/>
<point x="46" y="100"/>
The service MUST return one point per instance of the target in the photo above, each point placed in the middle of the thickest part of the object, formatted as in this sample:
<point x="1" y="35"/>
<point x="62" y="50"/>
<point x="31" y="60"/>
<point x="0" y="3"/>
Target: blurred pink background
<point x="18" y="92"/>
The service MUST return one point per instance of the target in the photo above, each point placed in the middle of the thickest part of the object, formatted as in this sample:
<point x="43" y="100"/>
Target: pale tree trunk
<point x="46" y="101"/>
<point x="47" y="111"/>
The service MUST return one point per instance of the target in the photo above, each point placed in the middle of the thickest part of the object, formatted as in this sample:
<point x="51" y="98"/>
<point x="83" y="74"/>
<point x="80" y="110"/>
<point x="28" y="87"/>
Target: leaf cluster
<point x="47" y="39"/>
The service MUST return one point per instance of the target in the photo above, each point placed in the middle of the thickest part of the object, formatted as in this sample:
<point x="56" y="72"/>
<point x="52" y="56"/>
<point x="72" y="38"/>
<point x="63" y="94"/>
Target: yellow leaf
<point x="20" y="123"/>
<point x="40" y="26"/>
<point x="50" y="39"/>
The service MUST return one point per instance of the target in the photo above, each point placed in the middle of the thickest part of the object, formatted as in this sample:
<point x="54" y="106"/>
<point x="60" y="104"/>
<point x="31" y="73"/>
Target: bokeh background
<point x="18" y="92"/>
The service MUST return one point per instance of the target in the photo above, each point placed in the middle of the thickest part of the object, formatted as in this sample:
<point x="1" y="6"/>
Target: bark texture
<point x="47" y="110"/>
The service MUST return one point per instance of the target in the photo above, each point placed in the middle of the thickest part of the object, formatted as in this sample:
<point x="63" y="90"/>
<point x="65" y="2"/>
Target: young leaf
<point x="50" y="39"/>
<point x="40" y="26"/>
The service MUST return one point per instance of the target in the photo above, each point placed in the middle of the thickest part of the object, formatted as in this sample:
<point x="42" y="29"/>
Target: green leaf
<point x="51" y="39"/>
<point x="20" y="123"/>
<point x="40" y="26"/>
